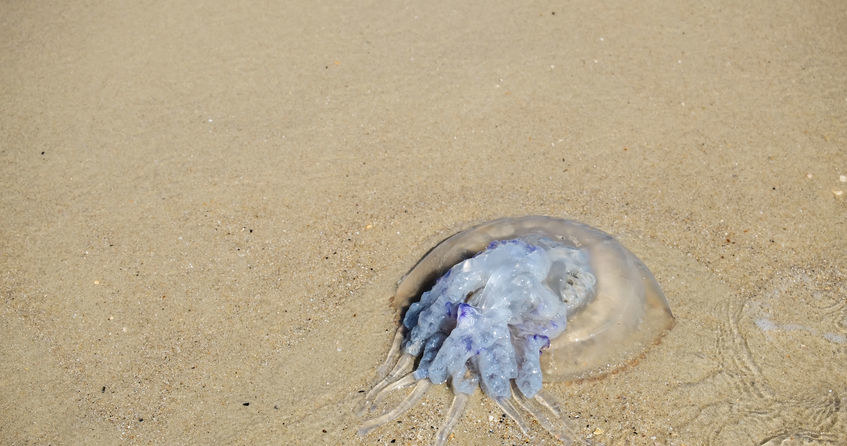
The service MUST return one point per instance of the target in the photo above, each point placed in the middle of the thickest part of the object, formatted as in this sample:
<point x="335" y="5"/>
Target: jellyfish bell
<point x="628" y="313"/>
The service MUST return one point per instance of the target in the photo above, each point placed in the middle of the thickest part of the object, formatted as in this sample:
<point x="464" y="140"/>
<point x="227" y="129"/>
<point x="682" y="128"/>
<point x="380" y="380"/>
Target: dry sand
<point x="208" y="206"/>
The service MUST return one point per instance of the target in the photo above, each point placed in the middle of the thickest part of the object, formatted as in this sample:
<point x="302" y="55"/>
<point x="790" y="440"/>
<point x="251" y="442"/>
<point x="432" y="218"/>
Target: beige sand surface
<point x="205" y="206"/>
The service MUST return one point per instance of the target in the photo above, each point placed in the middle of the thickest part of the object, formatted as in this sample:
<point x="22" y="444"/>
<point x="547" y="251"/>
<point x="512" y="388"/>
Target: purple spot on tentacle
<point x="468" y="344"/>
<point x="545" y="341"/>
<point x="464" y="310"/>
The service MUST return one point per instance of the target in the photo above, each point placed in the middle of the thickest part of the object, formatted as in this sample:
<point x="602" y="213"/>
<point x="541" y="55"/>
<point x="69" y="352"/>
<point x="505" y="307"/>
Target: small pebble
<point x="842" y="178"/>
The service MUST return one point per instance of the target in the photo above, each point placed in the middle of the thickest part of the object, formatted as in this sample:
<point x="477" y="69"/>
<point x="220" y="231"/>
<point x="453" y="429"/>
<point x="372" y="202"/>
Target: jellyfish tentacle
<point x="506" y="406"/>
<point x="548" y="401"/>
<point x="410" y="400"/>
<point x="457" y="408"/>
<point x="403" y="367"/>
<point x="393" y="353"/>
<point x="405" y="381"/>
<point x="557" y="425"/>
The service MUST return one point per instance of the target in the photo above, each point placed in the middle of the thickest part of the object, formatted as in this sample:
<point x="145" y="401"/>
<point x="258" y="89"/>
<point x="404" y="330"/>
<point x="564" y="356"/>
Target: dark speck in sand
<point x="245" y="404"/>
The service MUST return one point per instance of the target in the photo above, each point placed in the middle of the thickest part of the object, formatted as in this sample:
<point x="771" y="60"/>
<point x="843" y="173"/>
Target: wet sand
<point x="204" y="209"/>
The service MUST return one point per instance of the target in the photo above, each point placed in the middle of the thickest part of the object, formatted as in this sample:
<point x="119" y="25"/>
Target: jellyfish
<point x="511" y="304"/>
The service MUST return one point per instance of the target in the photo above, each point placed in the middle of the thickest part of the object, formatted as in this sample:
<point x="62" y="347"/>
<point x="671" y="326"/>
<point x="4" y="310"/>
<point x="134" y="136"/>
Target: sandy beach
<point x="204" y="209"/>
